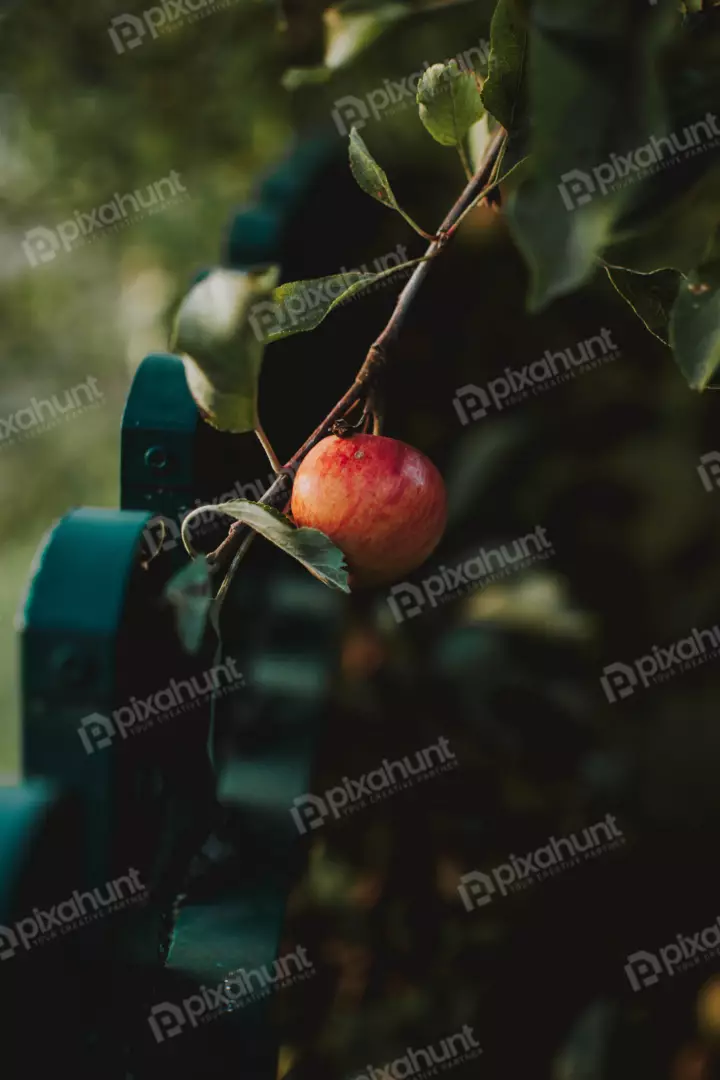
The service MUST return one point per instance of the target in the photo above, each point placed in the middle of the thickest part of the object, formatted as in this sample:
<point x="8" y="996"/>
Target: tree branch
<point x="230" y="552"/>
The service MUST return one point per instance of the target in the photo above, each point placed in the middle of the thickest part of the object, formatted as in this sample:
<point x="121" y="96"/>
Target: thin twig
<point x="464" y="160"/>
<point x="479" y="185"/>
<point x="267" y="447"/>
<point x="228" y="555"/>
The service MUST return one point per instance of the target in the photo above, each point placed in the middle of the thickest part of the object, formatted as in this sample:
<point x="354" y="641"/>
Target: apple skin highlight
<point x="382" y="502"/>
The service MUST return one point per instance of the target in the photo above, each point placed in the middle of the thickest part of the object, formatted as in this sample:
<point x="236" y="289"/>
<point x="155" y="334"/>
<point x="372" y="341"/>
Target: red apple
<point x="379" y="500"/>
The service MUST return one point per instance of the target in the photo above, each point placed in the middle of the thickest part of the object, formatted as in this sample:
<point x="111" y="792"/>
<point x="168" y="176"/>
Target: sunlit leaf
<point x="215" y="334"/>
<point x="349" y="31"/>
<point x="449" y="102"/>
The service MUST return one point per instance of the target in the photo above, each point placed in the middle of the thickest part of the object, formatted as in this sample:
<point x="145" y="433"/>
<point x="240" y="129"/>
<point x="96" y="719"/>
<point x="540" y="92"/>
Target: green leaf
<point x="695" y="325"/>
<point x="504" y="91"/>
<point x="294" y="78"/>
<point x="677" y="235"/>
<point x="310" y="547"/>
<point x="298" y="306"/>
<point x="651" y="296"/>
<point x="449" y="102"/>
<point x="675" y="206"/>
<point x="560" y="248"/>
<point x="349" y="31"/>
<point x="222" y="354"/>
<point x="594" y="93"/>
<point x="189" y="593"/>
<point x="372" y="179"/>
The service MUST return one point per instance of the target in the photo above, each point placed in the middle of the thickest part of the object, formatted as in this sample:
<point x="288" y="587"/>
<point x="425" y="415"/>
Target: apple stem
<point x="374" y="411"/>
<point x="228" y="554"/>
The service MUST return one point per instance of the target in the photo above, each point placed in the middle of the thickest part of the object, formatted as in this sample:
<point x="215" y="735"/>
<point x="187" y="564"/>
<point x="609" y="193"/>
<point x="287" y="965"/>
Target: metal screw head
<point x="156" y="457"/>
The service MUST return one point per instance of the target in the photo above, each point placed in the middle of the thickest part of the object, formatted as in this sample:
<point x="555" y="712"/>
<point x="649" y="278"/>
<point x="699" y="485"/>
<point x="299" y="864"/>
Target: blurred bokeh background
<point x="607" y="462"/>
<point x="78" y="124"/>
